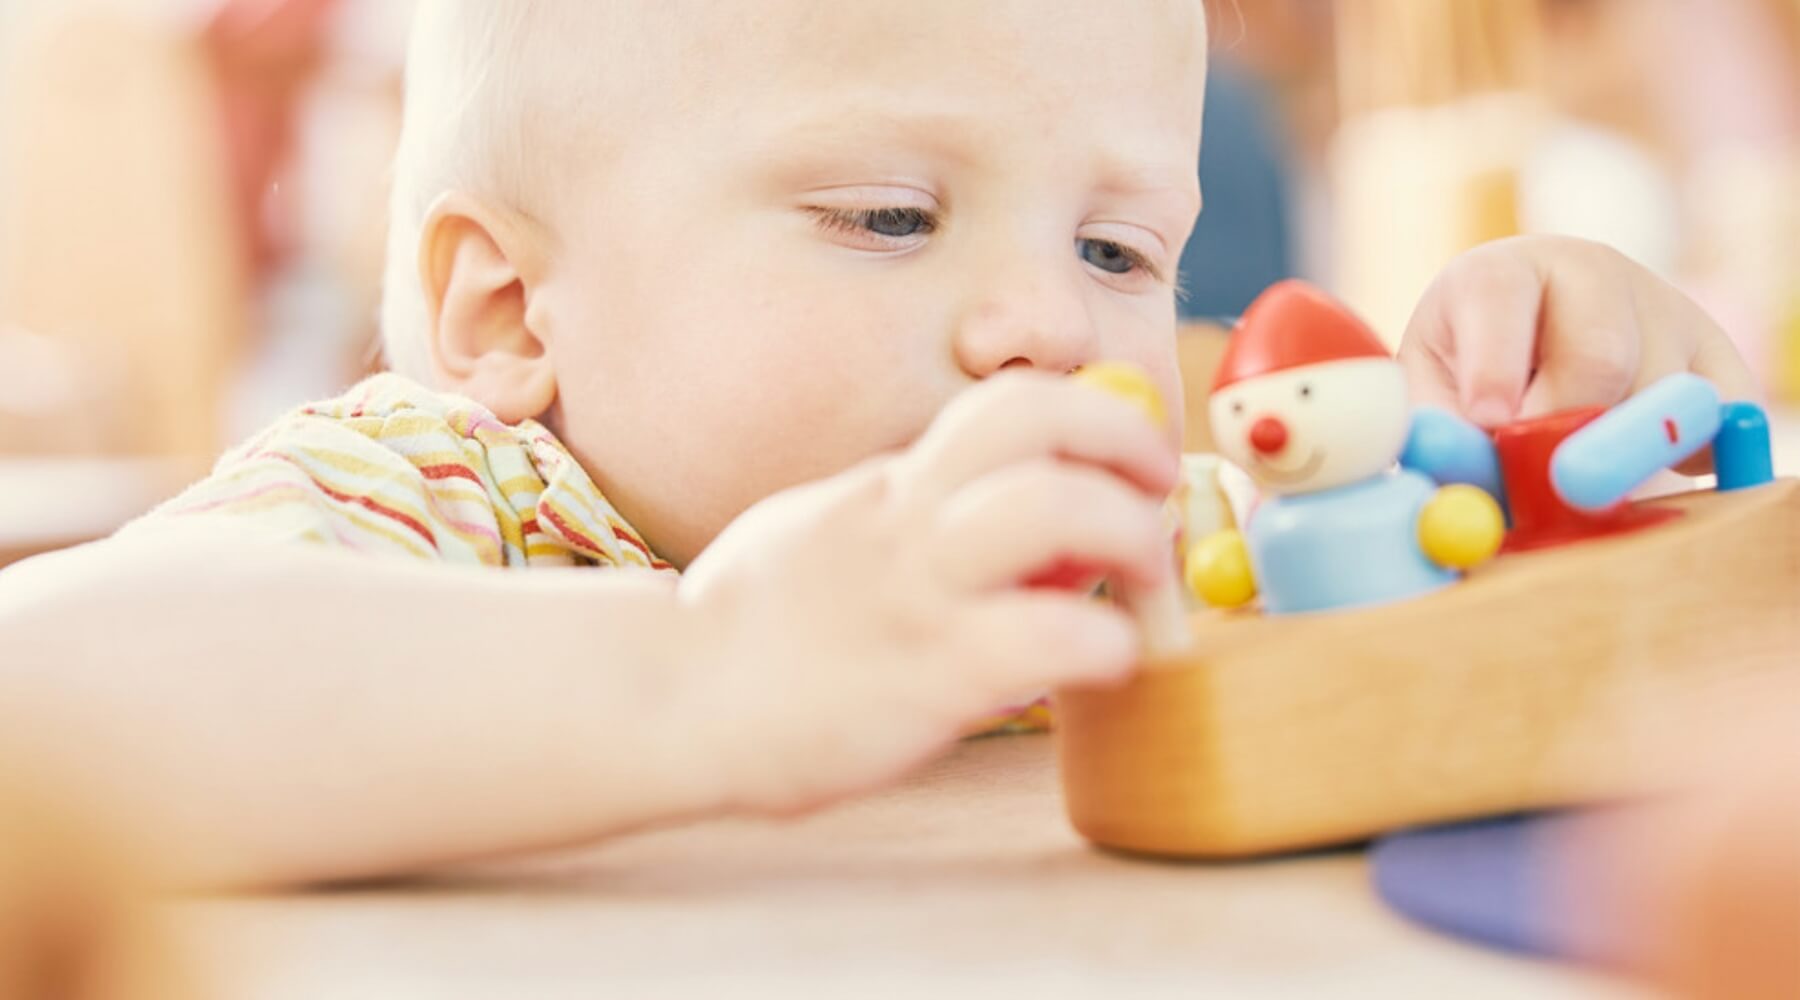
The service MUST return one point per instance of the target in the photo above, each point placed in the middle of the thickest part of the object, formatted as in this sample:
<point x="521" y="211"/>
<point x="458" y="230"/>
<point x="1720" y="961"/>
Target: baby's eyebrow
<point x="1139" y="176"/>
<point x="947" y="131"/>
<point x="1144" y="168"/>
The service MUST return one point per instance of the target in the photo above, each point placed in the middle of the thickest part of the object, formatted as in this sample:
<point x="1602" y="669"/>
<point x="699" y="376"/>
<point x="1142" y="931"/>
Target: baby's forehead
<point x="565" y="90"/>
<point x="696" y="56"/>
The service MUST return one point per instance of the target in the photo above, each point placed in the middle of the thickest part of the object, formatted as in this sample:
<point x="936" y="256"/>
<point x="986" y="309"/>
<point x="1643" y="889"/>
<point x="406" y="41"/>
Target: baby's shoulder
<point x="393" y="423"/>
<point x="393" y="465"/>
<point x="393" y="408"/>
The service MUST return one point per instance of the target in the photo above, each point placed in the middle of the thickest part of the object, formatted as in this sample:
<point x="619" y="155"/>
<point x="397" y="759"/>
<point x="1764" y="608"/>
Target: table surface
<point x="964" y="881"/>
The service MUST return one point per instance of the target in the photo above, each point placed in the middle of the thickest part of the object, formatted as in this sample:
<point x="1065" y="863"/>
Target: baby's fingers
<point x="1021" y="416"/>
<point x="1026" y="642"/>
<point x="1719" y="362"/>
<point x="1027" y="518"/>
<point x="1471" y="343"/>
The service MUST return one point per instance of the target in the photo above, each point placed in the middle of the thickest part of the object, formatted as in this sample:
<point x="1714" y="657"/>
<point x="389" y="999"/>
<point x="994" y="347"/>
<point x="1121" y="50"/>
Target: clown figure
<point x="1310" y="404"/>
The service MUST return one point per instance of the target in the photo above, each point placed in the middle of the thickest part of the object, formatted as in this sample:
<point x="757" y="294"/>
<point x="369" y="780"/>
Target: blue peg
<point x="1599" y="465"/>
<point x="1741" y="452"/>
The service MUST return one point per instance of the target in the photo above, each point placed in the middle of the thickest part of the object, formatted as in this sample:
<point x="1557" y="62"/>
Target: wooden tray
<point x="1528" y="685"/>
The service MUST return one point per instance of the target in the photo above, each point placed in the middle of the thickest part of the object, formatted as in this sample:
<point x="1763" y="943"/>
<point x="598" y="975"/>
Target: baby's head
<point x="723" y="248"/>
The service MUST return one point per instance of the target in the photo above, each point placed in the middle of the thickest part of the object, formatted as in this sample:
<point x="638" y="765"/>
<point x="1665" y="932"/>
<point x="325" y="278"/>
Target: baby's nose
<point x="1269" y="436"/>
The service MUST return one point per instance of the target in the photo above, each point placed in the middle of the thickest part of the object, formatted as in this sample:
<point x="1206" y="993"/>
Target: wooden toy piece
<point x="1311" y="405"/>
<point x="1742" y="453"/>
<point x="1128" y="382"/>
<point x="1200" y="504"/>
<point x="1540" y="517"/>
<point x="1161" y="612"/>
<point x="1524" y="687"/>
<point x="1452" y="450"/>
<point x="1218" y="570"/>
<point x="1216" y="566"/>
<point x="1663" y="426"/>
<point x="1461" y="527"/>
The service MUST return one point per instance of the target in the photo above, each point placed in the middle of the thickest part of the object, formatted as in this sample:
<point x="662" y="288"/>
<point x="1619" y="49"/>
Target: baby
<point x="765" y="307"/>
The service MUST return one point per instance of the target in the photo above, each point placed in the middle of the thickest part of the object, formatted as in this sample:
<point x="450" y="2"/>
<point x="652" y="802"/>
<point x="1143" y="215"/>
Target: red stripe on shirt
<point x="580" y="540"/>
<point x="374" y="506"/>
<point x="400" y="517"/>
<point x="625" y="536"/>
<point x="441" y="472"/>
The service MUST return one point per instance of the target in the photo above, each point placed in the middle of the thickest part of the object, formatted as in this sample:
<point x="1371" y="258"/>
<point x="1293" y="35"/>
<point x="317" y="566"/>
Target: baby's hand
<point x="858" y="625"/>
<point x="1532" y="325"/>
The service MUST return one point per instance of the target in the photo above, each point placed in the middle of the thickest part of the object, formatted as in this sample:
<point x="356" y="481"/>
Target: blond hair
<point x="486" y="87"/>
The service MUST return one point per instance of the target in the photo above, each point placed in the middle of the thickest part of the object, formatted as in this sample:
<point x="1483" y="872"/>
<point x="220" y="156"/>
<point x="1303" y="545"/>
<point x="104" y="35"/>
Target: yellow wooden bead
<point x="1218" y="570"/>
<point x="1128" y="382"/>
<point x="1461" y="527"/>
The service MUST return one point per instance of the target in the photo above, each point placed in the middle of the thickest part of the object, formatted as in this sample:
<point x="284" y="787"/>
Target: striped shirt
<point x="394" y="468"/>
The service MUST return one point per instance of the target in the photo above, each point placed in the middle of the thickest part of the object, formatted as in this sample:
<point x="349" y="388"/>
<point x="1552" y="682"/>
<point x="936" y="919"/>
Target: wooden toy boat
<point x="1526" y="686"/>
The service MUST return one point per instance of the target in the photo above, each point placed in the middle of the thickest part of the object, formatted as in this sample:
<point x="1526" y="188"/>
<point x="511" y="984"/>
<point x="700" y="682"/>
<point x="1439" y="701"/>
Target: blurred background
<point x="192" y="191"/>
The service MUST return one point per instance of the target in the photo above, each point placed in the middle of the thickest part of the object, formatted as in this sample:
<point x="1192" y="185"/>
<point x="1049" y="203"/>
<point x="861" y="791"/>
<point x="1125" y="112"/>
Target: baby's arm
<point x="280" y="714"/>
<point x="284" y="713"/>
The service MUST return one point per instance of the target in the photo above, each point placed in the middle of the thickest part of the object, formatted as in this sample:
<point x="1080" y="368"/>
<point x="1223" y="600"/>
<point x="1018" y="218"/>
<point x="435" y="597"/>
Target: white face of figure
<point x="1314" y="427"/>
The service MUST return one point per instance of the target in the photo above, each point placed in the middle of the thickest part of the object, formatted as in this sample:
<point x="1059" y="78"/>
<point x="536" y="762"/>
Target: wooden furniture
<point x="1531" y="684"/>
<point x="1439" y="105"/>
<point x="1198" y="348"/>
<point x="119" y="241"/>
<point x="966" y="881"/>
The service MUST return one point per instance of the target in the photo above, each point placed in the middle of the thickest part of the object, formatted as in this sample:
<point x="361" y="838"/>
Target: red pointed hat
<point x="1290" y="325"/>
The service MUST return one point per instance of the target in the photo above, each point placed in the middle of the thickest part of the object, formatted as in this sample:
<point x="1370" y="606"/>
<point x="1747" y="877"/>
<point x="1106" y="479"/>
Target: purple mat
<point x="1487" y="882"/>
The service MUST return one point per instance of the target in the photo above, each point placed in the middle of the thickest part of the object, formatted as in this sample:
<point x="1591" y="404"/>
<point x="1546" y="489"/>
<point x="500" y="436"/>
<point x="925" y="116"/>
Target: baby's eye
<point x="885" y="223"/>
<point x="1113" y="258"/>
<point x="898" y="223"/>
<point x="1117" y="258"/>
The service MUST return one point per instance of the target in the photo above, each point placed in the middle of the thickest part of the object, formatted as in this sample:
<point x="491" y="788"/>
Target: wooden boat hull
<point x="1532" y="684"/>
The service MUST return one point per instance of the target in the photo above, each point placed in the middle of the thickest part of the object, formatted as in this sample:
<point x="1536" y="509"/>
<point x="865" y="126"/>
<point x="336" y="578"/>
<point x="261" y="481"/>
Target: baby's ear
<point x="477" y="267"/>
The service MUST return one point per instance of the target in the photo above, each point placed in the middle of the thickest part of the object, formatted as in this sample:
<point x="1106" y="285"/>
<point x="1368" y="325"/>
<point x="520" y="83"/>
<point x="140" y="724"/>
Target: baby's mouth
<point x="1293" y="474"/>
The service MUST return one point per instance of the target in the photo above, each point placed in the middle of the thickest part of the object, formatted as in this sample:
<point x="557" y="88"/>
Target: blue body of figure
<point x="1346" y="547"/>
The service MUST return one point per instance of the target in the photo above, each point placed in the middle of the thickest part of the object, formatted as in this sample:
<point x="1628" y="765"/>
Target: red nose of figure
<point x="1269" y="436"/>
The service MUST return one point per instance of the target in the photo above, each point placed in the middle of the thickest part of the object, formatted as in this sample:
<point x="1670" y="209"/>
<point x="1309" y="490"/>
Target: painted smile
<point x="1297" y="474"/>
